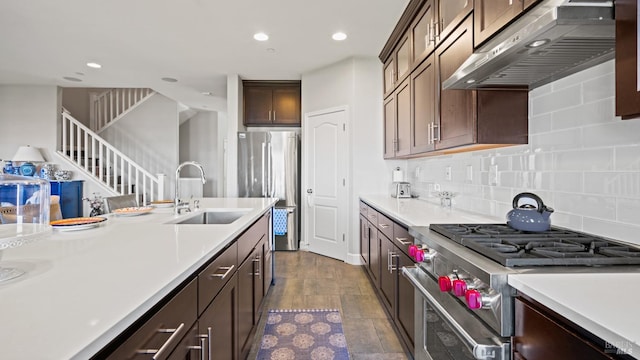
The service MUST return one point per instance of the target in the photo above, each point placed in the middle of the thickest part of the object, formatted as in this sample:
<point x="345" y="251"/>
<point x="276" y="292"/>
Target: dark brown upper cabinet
<point x="627" y="61"/>
<point x="488" y="118"/>
<point x="423" y="32"/>
<point x="398" y="66"/>
<point x="421" y="118"/>
<point x="271" y="103"/>
<point x="450" y="15"/>
<point x="492" y="15"/>
<point x="397" y="122"/>
<point x="423" y="103"/>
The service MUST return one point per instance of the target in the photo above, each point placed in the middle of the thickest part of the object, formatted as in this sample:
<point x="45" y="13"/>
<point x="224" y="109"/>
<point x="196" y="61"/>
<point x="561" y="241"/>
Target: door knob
<point x="309" y="191"/>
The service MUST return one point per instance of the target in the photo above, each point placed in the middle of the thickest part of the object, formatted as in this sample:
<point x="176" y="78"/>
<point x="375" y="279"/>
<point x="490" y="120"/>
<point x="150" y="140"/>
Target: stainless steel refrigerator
<point x="268" y="166"/>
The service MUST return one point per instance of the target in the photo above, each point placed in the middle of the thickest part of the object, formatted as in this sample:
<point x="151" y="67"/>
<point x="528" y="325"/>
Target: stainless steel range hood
<point x="555" y="39"/>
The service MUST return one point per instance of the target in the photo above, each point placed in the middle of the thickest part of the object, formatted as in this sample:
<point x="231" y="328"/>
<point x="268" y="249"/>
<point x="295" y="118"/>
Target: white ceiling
<point x="197" y="42"/>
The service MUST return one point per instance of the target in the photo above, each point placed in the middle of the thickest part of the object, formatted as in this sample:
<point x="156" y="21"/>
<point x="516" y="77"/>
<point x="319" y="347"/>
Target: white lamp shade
<point x="28" y="154"/>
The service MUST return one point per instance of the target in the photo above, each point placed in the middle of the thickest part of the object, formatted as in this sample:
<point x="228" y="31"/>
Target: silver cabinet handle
<point x="257" y="260"/>
<point x="269" y="115"/>
<point x="436" y="138"/>
<point x="393" y="267"/>
<point x="227" y="272"/>
<point x="199" y="347"/>
<point x="384" y="226"/>
<point x="403" y="241"/>
<point x="389" y="260"/>
<point x="274" y="115"/>
<point x="176" y="334"/>
<point x="210" y="337"/>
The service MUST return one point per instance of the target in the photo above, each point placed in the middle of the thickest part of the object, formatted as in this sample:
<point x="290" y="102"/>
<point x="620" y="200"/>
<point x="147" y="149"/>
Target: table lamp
<point x="28" y="155"/>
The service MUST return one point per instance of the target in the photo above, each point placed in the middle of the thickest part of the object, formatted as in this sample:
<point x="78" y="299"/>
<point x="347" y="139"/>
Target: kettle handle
<point x="535" y="197"/>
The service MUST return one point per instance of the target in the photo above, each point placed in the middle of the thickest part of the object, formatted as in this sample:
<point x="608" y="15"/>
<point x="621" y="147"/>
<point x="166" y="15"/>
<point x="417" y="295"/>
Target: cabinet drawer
<point x="401" y="238"/>
<point x="363" y="208"/>
<point x="372" y="216"/>
<point x="385" y="225"/>
<point x="213" y="278"/>
<point x="251" y="237"/>
<point x="164" y="329"/>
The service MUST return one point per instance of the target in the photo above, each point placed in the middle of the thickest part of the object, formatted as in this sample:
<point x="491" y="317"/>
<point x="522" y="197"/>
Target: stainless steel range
<point x="464" y="305"/>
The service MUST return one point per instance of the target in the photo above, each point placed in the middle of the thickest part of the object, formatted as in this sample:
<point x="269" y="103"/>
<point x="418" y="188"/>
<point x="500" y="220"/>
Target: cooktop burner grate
<point x="512" y="248"/>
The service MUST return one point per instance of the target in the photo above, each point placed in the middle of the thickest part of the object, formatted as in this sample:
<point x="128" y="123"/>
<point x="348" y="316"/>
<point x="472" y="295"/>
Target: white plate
<point x="77" y="223"/>
<point x="132" y="211"/>
<point x="161" y="204"/>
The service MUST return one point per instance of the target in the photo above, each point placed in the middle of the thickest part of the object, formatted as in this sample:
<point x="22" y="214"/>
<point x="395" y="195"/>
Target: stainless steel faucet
<point x="180" y="205"/>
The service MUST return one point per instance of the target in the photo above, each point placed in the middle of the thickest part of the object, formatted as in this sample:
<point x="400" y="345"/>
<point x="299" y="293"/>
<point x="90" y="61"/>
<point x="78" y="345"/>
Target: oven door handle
<point x="480" y="351"/>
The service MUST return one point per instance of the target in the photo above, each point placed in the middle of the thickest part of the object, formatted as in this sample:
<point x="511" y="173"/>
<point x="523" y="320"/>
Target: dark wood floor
<point x="308" y="281"/>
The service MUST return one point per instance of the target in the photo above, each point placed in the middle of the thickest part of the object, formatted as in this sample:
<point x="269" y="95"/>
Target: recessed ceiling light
<point x="71" y="78"/>
<point x="339" y="36"/>
<point x="168" y="79"/>
<point x="261" y="36"/>
<point x="94" y="65"/>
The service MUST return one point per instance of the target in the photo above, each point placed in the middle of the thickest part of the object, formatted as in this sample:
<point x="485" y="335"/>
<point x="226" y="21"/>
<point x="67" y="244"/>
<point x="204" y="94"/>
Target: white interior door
<point x="325" y="165"/>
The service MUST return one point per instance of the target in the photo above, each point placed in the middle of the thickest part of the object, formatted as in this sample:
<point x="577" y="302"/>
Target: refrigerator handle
<point x="264" y="190"/>
<point x="269" y="172"/>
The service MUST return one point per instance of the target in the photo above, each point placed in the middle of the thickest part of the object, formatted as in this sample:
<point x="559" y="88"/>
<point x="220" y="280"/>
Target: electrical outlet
<point x="447" y="173"/>
<point x="469" y="177"/>
<point x="417" y="174"/>
<point x="493" y="175"/>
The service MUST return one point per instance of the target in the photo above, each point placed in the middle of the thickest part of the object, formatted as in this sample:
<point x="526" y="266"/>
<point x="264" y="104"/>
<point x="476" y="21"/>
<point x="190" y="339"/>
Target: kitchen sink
<point x="209" y="217"/>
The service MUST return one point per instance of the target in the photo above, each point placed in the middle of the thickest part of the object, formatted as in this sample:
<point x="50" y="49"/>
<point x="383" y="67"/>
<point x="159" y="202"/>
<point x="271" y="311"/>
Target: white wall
<point x="581" y="159"/>
<point x="28" y="117"/>
<point x="233" y="125"/>
<point x="149" y="136"/>
<point x="199" y="142"/>
<point x="356" y="83"/>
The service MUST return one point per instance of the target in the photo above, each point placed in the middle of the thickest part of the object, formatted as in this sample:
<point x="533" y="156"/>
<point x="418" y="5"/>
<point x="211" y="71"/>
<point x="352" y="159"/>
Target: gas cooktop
<point x="556" y="246"/>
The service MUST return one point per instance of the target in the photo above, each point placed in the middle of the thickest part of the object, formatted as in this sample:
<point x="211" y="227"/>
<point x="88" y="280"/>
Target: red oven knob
<point x="444" y="282"/>
<point x="412" y="250"/>
<point x="474" y="299"/>
<point x="459" y="287"/>
<point x="419" y="255"/>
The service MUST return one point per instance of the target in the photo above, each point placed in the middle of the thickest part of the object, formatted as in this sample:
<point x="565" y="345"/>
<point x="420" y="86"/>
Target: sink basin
<point x="214" y="217"/>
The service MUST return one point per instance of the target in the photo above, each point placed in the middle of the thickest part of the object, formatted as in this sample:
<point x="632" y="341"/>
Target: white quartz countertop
<point x="83" y="288"/>
<point x="416" y="212"/>
<point x="605" y="304"/>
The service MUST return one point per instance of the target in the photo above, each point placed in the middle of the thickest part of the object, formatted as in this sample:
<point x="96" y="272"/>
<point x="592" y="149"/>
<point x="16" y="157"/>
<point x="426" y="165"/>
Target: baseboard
<point x="353" y="259"/>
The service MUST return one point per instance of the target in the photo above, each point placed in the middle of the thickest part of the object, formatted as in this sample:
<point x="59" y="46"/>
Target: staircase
<point x="110" y="106"/>
<point x="98" y="159"/>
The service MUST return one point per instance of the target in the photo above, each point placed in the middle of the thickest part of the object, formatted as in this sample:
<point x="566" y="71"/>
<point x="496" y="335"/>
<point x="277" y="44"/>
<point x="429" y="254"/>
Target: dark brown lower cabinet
<point x="387" y="243"/>
<point x="164" y="331"/>
<point x="374" y="256"/>
<point x="258" y="280"/>
<point x="387" y="273"/>
<point x="245" y="304"/>
<point x="218" y="323"/>
<point x="405" y="316"/>
<point x="364" y="241"/>
<point x="541" y="334"/>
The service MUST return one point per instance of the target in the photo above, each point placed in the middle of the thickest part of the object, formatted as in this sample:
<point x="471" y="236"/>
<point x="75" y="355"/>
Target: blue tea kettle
<point x="527" y="217"/>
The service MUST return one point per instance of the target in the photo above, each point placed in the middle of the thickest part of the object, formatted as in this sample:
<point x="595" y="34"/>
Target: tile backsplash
<point x="581" y="160"/>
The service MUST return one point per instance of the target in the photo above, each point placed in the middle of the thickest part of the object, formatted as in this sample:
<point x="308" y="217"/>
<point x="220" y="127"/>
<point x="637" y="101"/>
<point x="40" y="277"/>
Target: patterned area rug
<point x="303" y="334"/>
